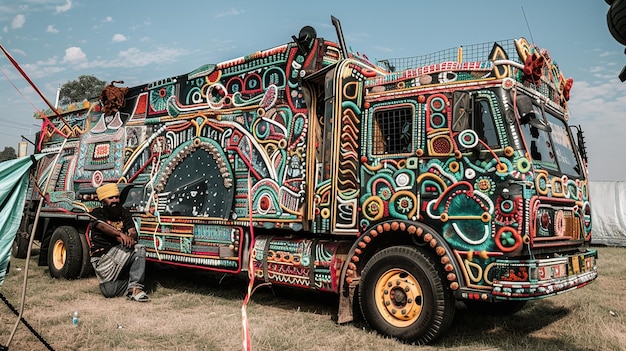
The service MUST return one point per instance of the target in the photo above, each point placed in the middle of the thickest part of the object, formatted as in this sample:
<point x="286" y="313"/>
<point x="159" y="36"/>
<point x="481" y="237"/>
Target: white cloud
<point x="607" y="91"/>
<point x="134" y="57"/>
<point x="596" y="69"/>
<point x="384" y="48"/>
<point x="108" y="19"/>
<point x="117" y="38"/>
<point x="76" y="60"/>
<point x="5" y="29"/>
<point x="18" y="21"/>
<point x="18" y="51"/>
<point x="74" y="55"/>
<point x="231" y="12"/>
<point x="51" y="29"/>
<point x="43" y="68"/>
<point x="599" y="109"/>
<point x="64" y="8"/>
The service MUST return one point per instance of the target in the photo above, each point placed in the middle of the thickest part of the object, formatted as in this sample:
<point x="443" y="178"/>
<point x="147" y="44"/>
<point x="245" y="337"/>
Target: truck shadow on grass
<point x="528" y="329"/>
<point x="470" y="328"/>
<point x="234" y="288"/>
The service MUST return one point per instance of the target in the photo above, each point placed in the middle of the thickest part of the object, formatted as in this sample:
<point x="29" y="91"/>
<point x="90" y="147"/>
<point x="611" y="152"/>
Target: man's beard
<point x="113" y="211"/>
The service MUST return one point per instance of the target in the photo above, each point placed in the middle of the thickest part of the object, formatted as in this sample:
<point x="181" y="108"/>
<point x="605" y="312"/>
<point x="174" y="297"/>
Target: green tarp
<point x="13" y="185"/>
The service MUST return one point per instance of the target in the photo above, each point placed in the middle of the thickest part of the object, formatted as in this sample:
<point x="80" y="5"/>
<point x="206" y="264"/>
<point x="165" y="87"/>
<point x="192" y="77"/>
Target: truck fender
<point x="386" y="234"/>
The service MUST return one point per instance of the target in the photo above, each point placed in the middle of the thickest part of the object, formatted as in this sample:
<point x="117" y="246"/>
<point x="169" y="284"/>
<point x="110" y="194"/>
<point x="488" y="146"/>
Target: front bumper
<point x="532" y="279"/>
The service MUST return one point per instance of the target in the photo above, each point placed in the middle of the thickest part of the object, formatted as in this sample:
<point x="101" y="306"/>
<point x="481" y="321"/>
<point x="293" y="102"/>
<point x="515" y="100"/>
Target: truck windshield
<point x="552" y="151"/>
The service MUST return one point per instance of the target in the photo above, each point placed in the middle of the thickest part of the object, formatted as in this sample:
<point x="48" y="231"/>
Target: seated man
<point x="119" y="262"/>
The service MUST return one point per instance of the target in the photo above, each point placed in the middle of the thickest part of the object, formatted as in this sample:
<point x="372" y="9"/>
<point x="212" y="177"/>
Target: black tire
<point x="86" y="269"/>
<point x="20" y="245"/>
<point x="616" y="20"/>
<point x="65" y="254"/>
<point x="402" y="295"/>
<point x="500" y="308"/>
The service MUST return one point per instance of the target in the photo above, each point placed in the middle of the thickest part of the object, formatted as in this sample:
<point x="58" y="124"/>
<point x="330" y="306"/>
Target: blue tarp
<point x="13" y="185"/>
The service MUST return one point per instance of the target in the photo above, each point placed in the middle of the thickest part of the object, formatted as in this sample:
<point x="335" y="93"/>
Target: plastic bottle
<point x="75" y="319"/>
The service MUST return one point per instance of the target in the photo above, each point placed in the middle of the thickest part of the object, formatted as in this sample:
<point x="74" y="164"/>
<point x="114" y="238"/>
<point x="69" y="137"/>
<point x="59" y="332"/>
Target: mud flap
<point x="346" y="303"/>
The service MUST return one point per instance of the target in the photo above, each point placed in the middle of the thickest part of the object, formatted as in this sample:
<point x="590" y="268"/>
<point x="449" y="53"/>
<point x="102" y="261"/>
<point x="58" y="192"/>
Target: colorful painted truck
<point x="402" y="186"/>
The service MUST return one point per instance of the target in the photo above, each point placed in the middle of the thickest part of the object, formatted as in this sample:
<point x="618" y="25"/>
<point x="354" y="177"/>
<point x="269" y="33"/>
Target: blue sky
<point x="56" y="41"/>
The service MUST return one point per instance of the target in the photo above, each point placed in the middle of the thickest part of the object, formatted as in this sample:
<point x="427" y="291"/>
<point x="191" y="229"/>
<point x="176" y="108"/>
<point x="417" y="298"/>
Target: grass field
<point x="194" y="310"/>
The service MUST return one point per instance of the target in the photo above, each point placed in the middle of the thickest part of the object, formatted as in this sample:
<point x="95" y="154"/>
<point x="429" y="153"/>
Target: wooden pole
<point x="30" y="245"/>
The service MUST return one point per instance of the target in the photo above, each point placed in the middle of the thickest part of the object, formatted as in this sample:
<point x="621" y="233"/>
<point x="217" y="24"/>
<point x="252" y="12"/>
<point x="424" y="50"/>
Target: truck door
<point x="336" y="133"/>
<point x="390" y="170"/>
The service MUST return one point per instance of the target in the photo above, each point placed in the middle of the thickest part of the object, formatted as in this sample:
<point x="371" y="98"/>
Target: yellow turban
<point x="107" y="190"/>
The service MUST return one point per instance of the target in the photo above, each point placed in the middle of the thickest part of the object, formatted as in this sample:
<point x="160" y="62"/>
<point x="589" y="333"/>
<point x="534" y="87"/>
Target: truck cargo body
<point x="399" y="188"/>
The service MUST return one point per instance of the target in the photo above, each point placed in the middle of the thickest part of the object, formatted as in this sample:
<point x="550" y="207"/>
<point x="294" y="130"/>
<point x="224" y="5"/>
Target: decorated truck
<point x="402" y="185"/>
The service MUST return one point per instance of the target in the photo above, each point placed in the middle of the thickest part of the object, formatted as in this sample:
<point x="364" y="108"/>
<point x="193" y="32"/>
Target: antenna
<point x="527" y="26"/>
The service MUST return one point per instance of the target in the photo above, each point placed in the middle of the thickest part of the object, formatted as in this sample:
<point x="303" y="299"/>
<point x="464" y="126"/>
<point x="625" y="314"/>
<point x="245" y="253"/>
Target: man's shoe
<point x="140" y="296"/>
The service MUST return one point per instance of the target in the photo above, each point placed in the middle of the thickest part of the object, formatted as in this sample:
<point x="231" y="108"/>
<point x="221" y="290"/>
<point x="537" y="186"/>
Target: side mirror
<point x="580" y="140"/>
<point x="528" y="114"/>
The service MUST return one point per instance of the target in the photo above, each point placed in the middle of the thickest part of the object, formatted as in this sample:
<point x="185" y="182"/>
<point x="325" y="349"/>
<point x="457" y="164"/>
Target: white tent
<point x="608" y="213"/>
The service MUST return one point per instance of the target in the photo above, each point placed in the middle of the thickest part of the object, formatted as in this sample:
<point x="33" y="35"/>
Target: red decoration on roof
<point x="568" y="87"/>
<point x="533" y="67"/>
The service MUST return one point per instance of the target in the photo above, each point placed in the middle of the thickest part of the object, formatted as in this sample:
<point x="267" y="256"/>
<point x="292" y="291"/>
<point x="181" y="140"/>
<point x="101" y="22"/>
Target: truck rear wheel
<point x="86" y="268"/>
<point x="20" y="245"/>
<point x="65" y="255"/>
<point x="402" y="295"/>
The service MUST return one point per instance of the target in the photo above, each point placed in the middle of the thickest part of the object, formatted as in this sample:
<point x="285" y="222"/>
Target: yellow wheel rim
<point x="59" y="253"/>
<point x="399" y="297"/>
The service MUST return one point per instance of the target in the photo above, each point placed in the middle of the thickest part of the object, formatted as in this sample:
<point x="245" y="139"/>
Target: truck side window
<point x="484" y="125"/>
<point x="393" y="131"/>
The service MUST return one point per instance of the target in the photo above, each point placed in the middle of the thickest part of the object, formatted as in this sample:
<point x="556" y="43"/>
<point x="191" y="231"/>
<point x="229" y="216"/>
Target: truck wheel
<point x="500" y="308"/>
<point x="86" y="269"/>
<point x="20" y="245"/>
<point x="65" y="255"/>
<point x="402" y="295"/>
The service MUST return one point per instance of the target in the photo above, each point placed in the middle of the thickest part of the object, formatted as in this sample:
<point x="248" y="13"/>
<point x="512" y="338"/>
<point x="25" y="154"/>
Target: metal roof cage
<point x="469" y="53"/>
